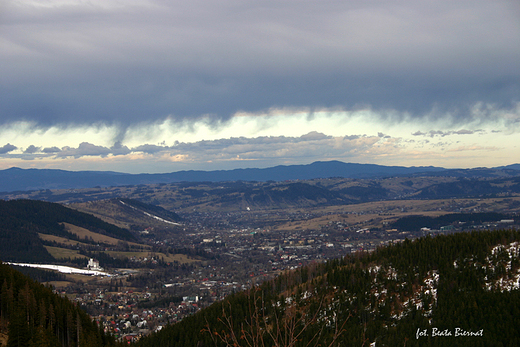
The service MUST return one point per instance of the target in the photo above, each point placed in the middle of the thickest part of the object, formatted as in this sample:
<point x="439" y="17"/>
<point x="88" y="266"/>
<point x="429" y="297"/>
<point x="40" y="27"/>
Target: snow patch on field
<point x="504" y="254"/>
<point x="150" y="215"/>
<point x="63" y="269"/>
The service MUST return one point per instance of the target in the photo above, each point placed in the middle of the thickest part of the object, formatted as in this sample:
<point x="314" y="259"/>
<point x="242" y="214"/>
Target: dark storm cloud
<point x="118" y="149"/>
<point x="7" y="148"/>
<point x="124" y="63"/>
<point x="50" y="150"/>
<point x="32" y="149"/>
<point x="84" y="149"/>
<point x="150" y="149"/>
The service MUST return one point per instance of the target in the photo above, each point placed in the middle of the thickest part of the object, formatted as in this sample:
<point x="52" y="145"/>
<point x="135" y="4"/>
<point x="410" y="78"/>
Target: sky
<point x="161" y="86"/>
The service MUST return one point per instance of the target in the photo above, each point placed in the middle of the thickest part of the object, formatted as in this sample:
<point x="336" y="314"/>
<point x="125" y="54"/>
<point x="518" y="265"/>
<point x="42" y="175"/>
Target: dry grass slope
<point x="64" y="253"/>
<point x="83" y="233"/>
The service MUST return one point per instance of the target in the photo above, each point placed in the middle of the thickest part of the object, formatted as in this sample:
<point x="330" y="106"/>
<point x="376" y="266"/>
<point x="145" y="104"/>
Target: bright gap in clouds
<point x="274" y="123"/>
<point x="169" y="132"/>
<point x="278" y="136"/>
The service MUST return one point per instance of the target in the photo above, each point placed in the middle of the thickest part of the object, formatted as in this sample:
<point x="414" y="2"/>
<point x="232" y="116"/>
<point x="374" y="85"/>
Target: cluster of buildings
<point x="123" y="315"/>
<point x="229" y="252"/>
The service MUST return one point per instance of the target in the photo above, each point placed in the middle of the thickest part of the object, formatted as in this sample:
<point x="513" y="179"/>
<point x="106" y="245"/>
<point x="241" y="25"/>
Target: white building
<point x="93" y="264"/>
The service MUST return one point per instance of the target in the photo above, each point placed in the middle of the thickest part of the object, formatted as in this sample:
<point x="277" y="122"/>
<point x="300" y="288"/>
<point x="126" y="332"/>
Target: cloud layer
<point x="194" y="82"/>
<point x="299" y="138"/>
<point x="125" y="62"/>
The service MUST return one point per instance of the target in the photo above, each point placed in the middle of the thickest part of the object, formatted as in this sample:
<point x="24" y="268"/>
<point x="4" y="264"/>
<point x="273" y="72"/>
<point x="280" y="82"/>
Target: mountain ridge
<point x="17" y="179"/>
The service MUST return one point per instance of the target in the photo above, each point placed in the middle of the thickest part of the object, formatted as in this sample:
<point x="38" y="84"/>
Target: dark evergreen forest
<point x="32" y="315"/>
<point x="415" y="223"/>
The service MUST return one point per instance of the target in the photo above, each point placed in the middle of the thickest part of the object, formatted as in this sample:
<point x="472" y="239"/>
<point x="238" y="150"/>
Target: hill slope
<point x="130" y="213"/>
<point x="32" y="315"/>
<point x="22" y="220"/>
<point x="456" y="290"/>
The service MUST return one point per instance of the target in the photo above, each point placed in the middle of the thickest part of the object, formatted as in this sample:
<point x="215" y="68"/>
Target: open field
<point x="127" y="216"/>
<point x="60" y="253"/>
<point x="180" y="258"/>
<point x="64" y="253"/>
<point x="58" y="284"/>
<point x="60" y="240"/>
<point x="80" y="278"/>
<point x="373" y="214"/>
<point x="83" y="233"/>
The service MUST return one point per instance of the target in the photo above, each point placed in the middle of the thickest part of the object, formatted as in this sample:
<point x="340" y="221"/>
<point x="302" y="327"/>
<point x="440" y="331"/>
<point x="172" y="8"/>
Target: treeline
<point x="415" y="223"/>
<point x="22" y="244"/>
<point x="382" y="297"/>
<point x="40" y="275"/>
<point x="32" y="315"/>
<point x="470" y="187"/>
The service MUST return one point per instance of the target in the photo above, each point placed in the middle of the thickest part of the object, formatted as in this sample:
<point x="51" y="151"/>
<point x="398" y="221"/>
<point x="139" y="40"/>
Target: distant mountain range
<point x="16" y="179"/>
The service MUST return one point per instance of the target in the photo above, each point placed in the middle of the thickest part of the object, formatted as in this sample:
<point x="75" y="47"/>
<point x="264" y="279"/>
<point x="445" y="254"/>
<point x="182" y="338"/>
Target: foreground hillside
<point x="455" y="290"/>
<point x="32" y="315"/>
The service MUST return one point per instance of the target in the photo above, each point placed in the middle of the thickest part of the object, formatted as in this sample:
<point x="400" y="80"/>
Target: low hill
<point x="416" y="222"/>
<point x="21" y="222"/>
<point x="130" y="213"/>
<point x="456" y="290"/>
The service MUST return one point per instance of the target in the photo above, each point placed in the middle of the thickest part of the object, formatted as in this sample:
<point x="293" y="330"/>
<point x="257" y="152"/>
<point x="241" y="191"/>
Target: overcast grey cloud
<point x="128" y="61"/>
<point x="7" y="148"/>
<point x="257" y="83"/>
<point x="84" y="149"/>
<point x="32" y="149"/>
<point x="49" y="150"/>
<point x="119" y="149"/>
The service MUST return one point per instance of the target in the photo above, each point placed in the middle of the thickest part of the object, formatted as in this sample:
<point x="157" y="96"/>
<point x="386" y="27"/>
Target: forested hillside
<point x="416" y="222"/>
<point x="455" y="290"/>
<point x="22" y="220"/>
<point x="32" y="315"/>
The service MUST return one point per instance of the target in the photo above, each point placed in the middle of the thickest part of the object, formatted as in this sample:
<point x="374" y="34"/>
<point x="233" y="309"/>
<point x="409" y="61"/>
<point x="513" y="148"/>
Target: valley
<point x="173" y="249"/>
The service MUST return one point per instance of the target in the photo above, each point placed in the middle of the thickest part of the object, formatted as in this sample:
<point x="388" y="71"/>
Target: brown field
<point x="80" y="278"/>
<point x="103" y="213"/>
<point x="60" y="240"/>
<point x="373" y="214"/>
<point x="181" y="258"/>
<point x="83" y="233"/>
<point x="58" y="284"/>
<point x="60" y="253"/>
